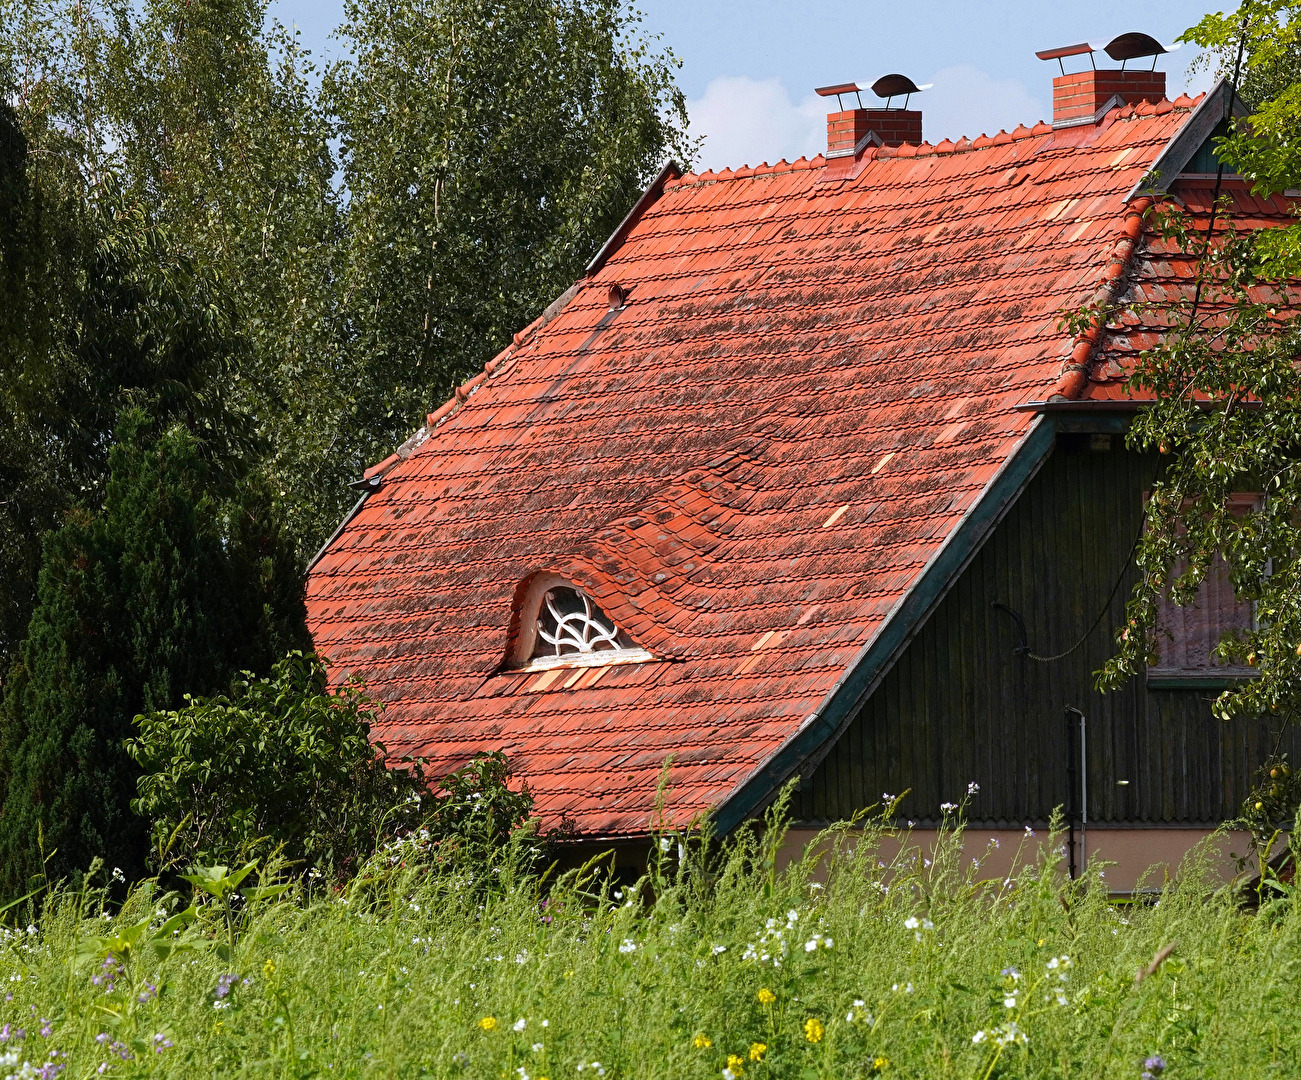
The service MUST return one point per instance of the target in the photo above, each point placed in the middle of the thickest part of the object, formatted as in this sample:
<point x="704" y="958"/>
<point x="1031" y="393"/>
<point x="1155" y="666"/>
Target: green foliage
<point x="168" y="166"/>
<point x="1272" y="55"/>
<point x="284" y="762"/>
<point x="911" y="970"/>
<point x="98" y="312"/>
<point x="280" y="760"/>
<point x="180" y="581"/>
<point x="1228" y="412"/>
<point x="477" y="198"/>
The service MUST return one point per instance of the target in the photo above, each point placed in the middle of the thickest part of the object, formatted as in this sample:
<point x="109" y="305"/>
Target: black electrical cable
<point x="1129" y="557"/>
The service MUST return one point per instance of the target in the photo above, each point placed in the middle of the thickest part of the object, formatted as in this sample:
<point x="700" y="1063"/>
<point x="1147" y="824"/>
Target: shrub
<point x="286" y="762"/>
<point x="279" y="759"/>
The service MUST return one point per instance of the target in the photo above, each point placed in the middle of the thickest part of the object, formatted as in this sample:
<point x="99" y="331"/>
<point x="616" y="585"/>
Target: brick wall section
<point x="1078" y="97"/>
<point x="895" y="127"/>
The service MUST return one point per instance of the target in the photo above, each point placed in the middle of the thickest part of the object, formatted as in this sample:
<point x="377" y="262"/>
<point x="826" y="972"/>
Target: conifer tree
<point x="179" y="582"/>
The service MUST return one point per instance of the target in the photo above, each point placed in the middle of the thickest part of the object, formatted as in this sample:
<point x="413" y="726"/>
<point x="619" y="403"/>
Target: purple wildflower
<point x="1153" y="1067"/>
<point x="224" y="983"/>
<point x="47" y="1028"/>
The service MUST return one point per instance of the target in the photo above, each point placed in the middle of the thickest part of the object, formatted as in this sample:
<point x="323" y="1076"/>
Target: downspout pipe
<point x="1071" y="714"/>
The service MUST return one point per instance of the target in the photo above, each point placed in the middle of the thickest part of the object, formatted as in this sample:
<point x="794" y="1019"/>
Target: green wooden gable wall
<point x="961" y="704"/>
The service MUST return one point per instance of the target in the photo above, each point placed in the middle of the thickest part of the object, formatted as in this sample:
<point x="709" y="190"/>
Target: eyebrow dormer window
<point x="563" y="627"/>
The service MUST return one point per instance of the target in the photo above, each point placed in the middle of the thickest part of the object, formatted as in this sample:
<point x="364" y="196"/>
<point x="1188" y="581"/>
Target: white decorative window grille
<point x="571" y="631"/>
<point x="569" y="623"/>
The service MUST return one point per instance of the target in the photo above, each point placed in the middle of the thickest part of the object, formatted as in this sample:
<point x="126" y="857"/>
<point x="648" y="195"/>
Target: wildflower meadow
<point x="715" y="964"/>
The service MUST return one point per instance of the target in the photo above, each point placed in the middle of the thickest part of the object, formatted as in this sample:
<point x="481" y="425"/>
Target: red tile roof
<point x="748" y="466"/>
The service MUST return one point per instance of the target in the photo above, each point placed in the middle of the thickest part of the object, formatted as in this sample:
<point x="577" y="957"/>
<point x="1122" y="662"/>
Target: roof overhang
<point x="1216" y="106"/>
<point x="804" y="749"/>
<point x="671" y="171"/>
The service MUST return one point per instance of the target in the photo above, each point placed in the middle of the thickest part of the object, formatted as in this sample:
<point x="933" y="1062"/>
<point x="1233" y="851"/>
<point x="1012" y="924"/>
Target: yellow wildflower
<point x="757" y="1051"/>
<point x="735" y="1064"/>
<point x="880" y="1063"/>
<point x="702" y="1042"/>
<point x="813" y="1029"/>
<point x="766" y="996"/>
<point x="569" y="974"/>
<point x="488" y="1023"/>
<point x="269" y="968"/>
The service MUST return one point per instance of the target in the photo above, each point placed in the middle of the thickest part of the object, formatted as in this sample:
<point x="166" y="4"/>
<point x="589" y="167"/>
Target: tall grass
<point x="848" y="963"/>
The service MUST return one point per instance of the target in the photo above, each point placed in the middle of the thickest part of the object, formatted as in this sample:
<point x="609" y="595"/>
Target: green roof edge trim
<point x="901" y="625"/>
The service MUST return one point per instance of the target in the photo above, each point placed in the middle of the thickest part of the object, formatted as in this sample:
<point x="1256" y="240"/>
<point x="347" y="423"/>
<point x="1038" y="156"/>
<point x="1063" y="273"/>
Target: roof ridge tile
<point x="1076" y="370"/>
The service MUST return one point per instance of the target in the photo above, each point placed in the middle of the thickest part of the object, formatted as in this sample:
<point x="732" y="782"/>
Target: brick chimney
<point x="893" y="127"/>
<point x="850" y="130"/>
<point x="1079" y="97"/>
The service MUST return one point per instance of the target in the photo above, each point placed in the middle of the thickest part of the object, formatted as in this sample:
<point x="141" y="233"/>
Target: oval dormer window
<point x="568" y="629"/>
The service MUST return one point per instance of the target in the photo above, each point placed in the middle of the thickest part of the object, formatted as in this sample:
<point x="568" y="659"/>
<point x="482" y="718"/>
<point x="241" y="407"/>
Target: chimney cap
<point x="887" y="87"/>
<point x="1135" y="44"/>
<point x="1128" y="46"/>
<point x="838" y="89"/>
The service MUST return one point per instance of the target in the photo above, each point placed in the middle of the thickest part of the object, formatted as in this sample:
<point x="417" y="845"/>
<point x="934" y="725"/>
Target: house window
<point x="563" y="627"/>
<point x="1187" y="636"/>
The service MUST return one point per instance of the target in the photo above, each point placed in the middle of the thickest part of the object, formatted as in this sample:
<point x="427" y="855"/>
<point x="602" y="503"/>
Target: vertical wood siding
<point x="962" y="705"/>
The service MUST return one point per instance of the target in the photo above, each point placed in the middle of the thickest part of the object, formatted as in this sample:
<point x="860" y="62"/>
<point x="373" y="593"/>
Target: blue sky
<point x="749" y="68"/>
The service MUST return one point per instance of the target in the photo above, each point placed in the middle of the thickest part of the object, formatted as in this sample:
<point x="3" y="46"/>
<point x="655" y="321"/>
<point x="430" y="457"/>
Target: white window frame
<point x="527" y="653"/>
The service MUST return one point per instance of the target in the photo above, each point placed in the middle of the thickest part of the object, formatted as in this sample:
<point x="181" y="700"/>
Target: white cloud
<point x="746" y="121"/>
<point x="971" y="102"/>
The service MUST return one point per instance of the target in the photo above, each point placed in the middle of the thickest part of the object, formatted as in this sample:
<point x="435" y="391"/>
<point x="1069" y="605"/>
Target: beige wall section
<point x="1142" y="857"/>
